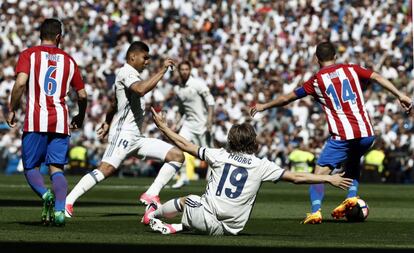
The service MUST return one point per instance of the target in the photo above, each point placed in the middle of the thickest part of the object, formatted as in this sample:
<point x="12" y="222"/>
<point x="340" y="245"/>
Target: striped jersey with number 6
<point x="51" y="71"/>
<point x="338" y="89"/>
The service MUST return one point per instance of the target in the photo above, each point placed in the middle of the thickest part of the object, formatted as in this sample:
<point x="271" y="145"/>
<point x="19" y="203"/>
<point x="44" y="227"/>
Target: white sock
<point x="177" y="227"/>
<point x="167" y="172"/>
<point x="169" y="209"/>
<point x="85" y="184"/>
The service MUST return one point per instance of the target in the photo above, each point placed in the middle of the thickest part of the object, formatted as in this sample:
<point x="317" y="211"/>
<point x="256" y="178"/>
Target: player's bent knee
<point x="106" y="169"/>
<point x="175" y="154"/>
<point x="53" y="168"/>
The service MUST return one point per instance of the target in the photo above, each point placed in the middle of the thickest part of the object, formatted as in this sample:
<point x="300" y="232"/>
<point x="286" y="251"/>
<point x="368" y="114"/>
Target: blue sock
<point x="316" y="192"/>
<point x="35" y="180"/>
<point x="60" y="188"/>
<point x="353" y="190"/>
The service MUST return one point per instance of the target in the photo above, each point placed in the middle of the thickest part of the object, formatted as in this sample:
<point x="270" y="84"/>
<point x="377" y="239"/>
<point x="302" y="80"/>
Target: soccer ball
<point x="358" y="213"/>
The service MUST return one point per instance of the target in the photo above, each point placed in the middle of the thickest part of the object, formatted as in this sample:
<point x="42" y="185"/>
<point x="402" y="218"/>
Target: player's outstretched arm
<point x="405" y="101"/>
<point x="307" y="178"/>
<point x="143" y="87"/>
<point x="17" y="92"/>
<point x="281" y="100"/>
<point x="178" y="140"/>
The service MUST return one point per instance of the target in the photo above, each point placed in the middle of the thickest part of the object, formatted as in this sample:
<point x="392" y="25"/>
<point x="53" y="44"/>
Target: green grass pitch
<point x="108" y="217"/>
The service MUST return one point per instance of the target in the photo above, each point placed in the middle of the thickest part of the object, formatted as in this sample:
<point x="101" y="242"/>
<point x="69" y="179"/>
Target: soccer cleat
<point x="59" y="218"/>
<point x="68" y="211"/>
<point x="313" y="218"/>
<point x="346" y="205"/>
<point x="180" y="183"/>
<point x="149" y="210"/>
<point x="164" y="228"/>
<point x="47" y="209"/>
<point x="148" y="199"/>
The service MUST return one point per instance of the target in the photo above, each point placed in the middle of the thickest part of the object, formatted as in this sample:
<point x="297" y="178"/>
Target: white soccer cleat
<point x="164" y="228"/>
<point x="180" y="183"/>
<point x="68" y="210"/>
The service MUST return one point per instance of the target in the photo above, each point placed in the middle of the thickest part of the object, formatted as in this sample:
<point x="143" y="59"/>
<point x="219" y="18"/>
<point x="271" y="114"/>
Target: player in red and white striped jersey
<point x="51" y="72"/>
<point x="338" y="89"/>
<point x="347" y="117"/>
<point x="46" y="73"/>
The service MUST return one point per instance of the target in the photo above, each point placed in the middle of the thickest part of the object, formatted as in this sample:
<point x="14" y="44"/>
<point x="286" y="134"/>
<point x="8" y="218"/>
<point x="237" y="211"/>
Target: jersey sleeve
<point x="23" y="63"/>
<point x="271" y="171"/>
<point x="130" y="78"/>
<point x="362" y="72"/>
<point x="204" y="92"/>
<point x="207" y="154"/>
<point x="308" y="86"/>
<point x="77" y="82"/>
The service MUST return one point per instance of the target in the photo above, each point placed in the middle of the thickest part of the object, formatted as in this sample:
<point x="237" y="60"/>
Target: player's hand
<point x="158" y="118"/>
<point x="77" y="122"/>
<point x="256" y="108"/>
<point x="406" y="103"/>
<point x="103" y="131"/>
<point x="342" y="182"/>
<point x="11" y="119"/>
<point x="169" y="63"/>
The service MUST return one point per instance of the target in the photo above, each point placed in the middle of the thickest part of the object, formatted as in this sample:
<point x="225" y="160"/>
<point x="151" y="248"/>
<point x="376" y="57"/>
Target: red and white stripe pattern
<point x="350" y="120"/>
<point x="47" y="112"/>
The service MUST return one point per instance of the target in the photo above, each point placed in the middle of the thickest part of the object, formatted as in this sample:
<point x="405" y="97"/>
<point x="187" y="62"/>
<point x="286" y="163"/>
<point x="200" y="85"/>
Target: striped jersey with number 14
<point x="338" y="89"/>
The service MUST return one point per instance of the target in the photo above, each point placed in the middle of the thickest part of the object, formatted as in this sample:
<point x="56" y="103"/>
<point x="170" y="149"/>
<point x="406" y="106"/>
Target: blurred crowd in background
<point x="246" y="51"/>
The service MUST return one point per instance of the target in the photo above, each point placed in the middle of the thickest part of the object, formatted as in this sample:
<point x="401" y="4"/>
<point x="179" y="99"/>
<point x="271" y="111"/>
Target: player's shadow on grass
<point x="336" y="221"/>
<point x="32" y="223"/>
<point x="38" y="203"/>
<point x="118" y="214"/>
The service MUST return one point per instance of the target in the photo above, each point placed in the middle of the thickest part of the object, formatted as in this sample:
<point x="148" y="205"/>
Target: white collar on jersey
<point x="132" y="68"/>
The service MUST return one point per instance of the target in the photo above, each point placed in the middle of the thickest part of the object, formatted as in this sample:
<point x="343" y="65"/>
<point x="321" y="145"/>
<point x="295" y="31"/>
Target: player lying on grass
<point x="236" y="176"/>
<point x="338" y="89"/>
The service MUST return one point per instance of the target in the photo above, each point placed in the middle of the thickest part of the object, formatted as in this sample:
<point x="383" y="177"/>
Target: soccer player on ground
<point x="123" y="122"/>
<point x="337" y="88"/>
<point x="46" y="73"/>
<point x="235" y="179"/>
<point x="197" y="106"/>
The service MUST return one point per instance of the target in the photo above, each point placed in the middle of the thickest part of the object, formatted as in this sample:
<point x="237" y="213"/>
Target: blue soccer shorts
<point x="51" y="148"/>
<point x="345" y="152"/>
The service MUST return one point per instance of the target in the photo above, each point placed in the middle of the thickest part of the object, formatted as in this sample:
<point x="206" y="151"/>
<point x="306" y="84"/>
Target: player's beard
<point x="184" y="79"/>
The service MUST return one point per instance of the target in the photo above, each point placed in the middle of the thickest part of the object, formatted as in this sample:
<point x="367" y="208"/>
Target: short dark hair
<point x="184" y="63"/>
<point x="137" y="46"/>
<point x="242" y="138"/>
<point x="325" y="51"/>
<point x="50" y="28"/>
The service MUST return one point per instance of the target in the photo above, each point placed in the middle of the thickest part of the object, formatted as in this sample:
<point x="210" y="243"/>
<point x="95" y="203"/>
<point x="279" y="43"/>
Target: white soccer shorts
<point x="198" y="139"/>
<point x="195" y="217"/>
<point x="125" y="144"/>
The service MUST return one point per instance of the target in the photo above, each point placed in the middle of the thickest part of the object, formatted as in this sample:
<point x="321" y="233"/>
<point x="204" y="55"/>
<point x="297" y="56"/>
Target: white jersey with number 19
<point x="233" y="185"/>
